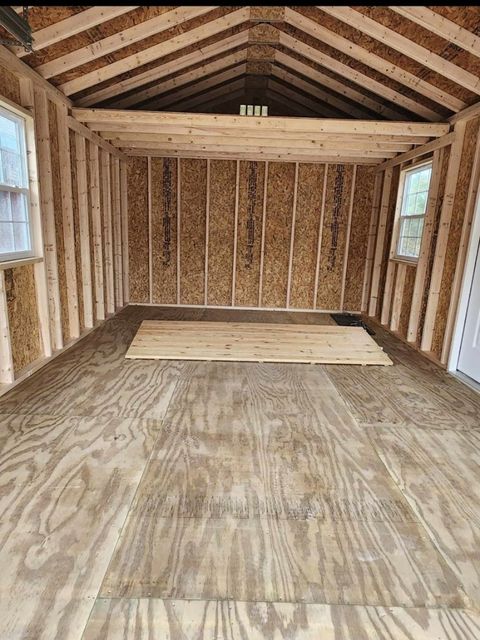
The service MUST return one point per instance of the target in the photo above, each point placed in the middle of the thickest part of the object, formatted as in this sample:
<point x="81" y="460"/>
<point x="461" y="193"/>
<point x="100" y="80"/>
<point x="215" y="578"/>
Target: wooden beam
<point x="380" y="248"/>
<point x="27" y="100"/>
<point x="443" y="27"/>
<point x="120" y="139"/>
<point x="157" y="73"/>
<point x="93" y="137"/>
<point x="378" y="63"/>
<point x="466" y="114"/>
<point x="176" y="43"/>
<point x="67" y="220"/>
<point x="443" y="141"/>
<point x="425" y="247"/>
<point x="117" y="232"/>
<point x="199" y="87"/>
<point x="292" y="235"/>
<point x="348" y="232"/>
<point x="325" y="109"/>
<point x="387" y="293"/>
<point x="372" y="234"/>
<point x="71" y="26"/>
<point x="235" y="232"/>
<point x="323" y="80"/>
<point x="398" y="296"/>
<point x="121" y="39"/>
<point x="179" y="80"/>
<point x="7" y="374"/>
<point x="270" y="124"/>
<point x="124" y="218"/>
<point x="84" y="229"/>
<point x="442" y="237"/>
<point x="48" y="215"/>
<point x="473" y="189"/>
<point x="107" y="231"/>
<point x="262" y="239"/>
<point x="10" y="61"/>
<point x="405" y="46"/>
<point x="320" y="236"/>
<point x="96" y="230"/>
<point x="217" y="102"/>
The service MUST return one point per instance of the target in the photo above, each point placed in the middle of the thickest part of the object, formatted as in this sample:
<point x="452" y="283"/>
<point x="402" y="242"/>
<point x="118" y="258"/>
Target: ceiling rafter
<point x="214" y="91"/>
<point x="165" y="69"/>
<point x="122" y="39"/>
<point x="442" y="27"/>
<point x="374" y="61"/>
<point x="404" y="45"/>
<point x="72" y="26"/>
<point x="144" y="56"/>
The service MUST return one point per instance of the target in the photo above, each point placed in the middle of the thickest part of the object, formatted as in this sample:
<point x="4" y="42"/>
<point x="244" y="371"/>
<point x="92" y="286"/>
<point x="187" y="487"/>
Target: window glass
<point x="412" y="211"/>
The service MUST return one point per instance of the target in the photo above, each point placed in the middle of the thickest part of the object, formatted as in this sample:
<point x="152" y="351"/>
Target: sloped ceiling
<point x="393" y="63"/>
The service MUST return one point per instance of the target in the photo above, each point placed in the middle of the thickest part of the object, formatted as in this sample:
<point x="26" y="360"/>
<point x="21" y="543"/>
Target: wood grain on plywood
<point x="138" y="231"/>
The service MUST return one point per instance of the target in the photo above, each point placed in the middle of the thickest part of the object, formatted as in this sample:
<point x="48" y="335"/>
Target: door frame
<point x="467" y="281"/>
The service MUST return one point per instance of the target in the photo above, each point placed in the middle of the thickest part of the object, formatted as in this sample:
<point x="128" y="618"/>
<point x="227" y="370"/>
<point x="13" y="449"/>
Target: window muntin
<point x="15" y="229"/>
<point x="412" y="211"/>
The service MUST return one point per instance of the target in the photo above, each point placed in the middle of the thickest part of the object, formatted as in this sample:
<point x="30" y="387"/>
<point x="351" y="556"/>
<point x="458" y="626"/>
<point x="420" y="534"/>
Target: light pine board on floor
<point x="255" y="342"/>
<point x="266" y="462"/>
<point x="154" y="619"/>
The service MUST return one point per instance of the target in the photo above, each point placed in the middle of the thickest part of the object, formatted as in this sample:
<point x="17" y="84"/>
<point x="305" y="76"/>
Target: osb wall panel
<point x="57" y="203"/>
<point x="138" y="248"/>
<point x="455" y="232"/>
<point x="278" y="222"/>
<point x="334" y="236"/>
<point x="250" y="213"/>
<point x="193" y="201"/>
<point x="221" y="231"/>
<point x="357" y="251"/>
<point x="307" y="219"/>
<point x="22" y="316"/>
<point x="76" y="224"/>
<point x="164" y="230"/>
<point x="9" y="85"/>
<point x="407" y="300"/>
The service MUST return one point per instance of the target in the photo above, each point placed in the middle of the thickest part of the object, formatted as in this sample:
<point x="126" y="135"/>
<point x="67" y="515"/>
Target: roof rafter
<point x="122" y="39"/>
<point x="381" y="65"/>
<point x="71" y="26"/>
<point x="144" y="56"/>
<point x="405" y="46"/>
<point x="442" y="27"/>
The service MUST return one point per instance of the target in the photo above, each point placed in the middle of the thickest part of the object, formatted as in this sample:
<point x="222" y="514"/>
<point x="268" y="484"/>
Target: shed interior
<point x="246" y="500"/>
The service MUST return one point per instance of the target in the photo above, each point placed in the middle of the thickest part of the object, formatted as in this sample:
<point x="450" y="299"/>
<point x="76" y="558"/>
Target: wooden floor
<point x="196" y="500"/>
<point x="254" y="342"/>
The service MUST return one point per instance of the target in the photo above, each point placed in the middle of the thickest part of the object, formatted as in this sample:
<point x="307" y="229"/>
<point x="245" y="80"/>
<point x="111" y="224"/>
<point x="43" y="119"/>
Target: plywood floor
<point x="255" y="342"/>
<point x="194" y="500"/>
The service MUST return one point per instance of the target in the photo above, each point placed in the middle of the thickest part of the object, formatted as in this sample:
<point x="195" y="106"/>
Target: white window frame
<point x="394" y="255"/>
<point x="25" y="120"/>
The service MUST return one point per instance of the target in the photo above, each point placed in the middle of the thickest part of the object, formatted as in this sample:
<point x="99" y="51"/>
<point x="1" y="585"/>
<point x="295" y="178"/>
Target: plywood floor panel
<point x="252" y="480"/>
<point x="156" y="619"/>
<point x="254" y="342"/>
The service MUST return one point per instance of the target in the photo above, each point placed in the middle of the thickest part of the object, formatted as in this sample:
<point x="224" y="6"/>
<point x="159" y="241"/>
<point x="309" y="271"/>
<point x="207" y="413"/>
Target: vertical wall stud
<point x="97" y="230"/>
<point x="124" y="219"/>
<point x="84" y="229"/>
<point x="292" y="234"/>
<point x="117" y="232"/>
<point x="48" y="216"/>
<point x="372" y="233"/>
<point x="379" y="248"/>
<point x="6" y="361"/>
<point x="107" y="230"/>
<point x="347" y="242"/>
<point x="319" y="237"/>
<point x="398" y="296"/>
<point x="262" y="243"/>
<point x="67" y="219"/>
<point x="442" y="237"/>
<point x="235" y="232"/>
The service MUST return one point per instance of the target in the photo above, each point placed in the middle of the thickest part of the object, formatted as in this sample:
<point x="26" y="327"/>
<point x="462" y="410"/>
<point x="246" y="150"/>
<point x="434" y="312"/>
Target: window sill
<point x="412" y="262"/>
<point x="21" y="262"/>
